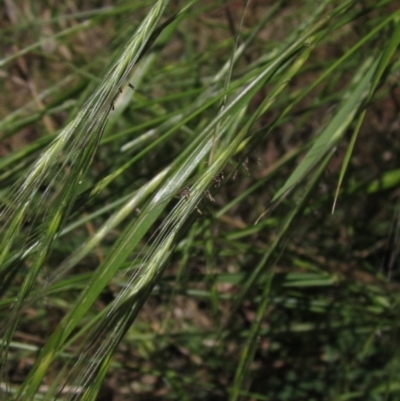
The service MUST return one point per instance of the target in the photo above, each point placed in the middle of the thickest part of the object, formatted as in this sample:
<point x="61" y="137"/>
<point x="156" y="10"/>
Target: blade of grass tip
<point x="335" y="129"/>
<point x="248" y="352"/>
<point x="347" y="157"/>
<point x="384" y="60"/>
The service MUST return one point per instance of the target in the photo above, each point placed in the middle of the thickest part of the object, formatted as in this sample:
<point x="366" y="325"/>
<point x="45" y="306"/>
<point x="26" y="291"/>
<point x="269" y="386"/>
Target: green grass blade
<point x="335" y="129"/>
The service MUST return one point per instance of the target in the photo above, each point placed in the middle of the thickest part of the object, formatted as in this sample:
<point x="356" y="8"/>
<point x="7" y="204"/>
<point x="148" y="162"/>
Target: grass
<point x="199" y="200"/>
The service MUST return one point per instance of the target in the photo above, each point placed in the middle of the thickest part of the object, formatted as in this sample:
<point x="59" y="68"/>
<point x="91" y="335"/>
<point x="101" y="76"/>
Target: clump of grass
<point x="175" y="221"/>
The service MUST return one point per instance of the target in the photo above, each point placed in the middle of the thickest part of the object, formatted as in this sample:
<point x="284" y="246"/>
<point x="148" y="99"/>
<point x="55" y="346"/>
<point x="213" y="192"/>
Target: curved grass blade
<point x="335" y="129"/>
<point x="389" y="50"/>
